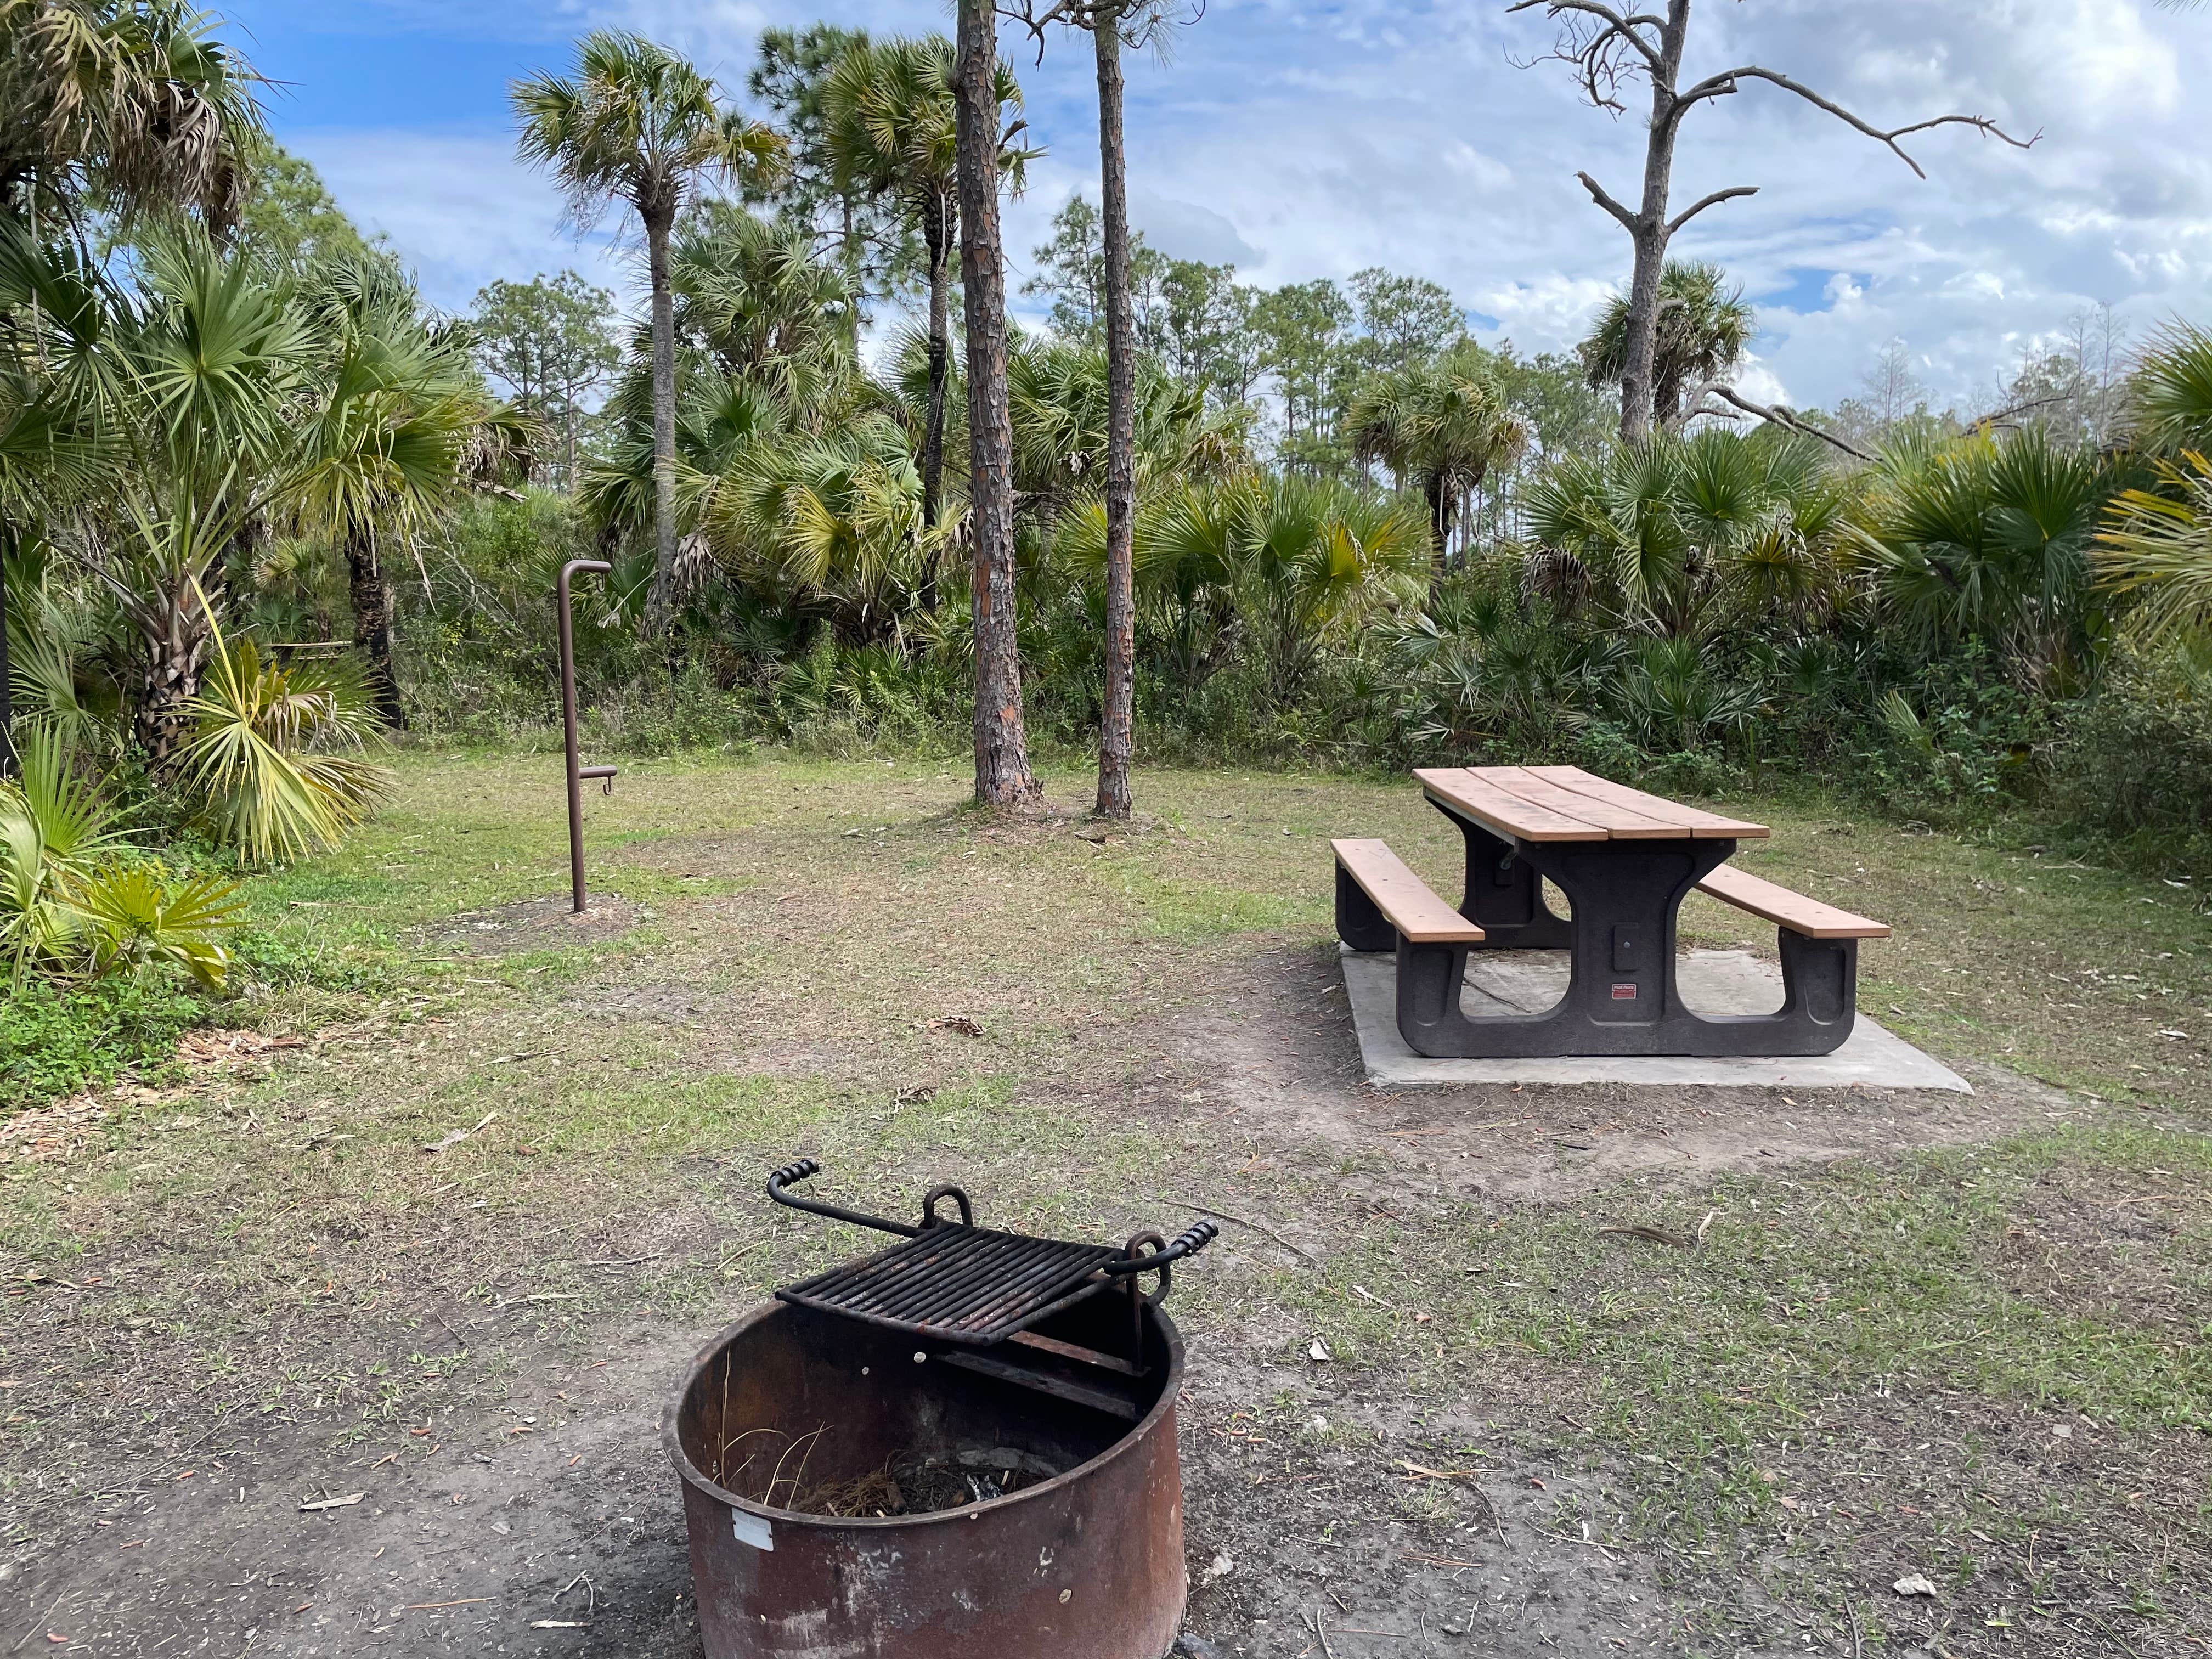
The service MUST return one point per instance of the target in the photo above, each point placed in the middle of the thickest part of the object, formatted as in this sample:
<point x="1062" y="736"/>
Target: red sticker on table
<point x="1623" y="993"/>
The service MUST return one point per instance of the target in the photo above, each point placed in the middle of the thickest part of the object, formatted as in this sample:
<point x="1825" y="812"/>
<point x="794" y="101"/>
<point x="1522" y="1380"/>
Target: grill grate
<point x="959" y="1283"/>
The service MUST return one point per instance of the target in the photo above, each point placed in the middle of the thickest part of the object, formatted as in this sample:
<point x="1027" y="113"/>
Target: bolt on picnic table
<point x="1625" y="860"/>
<point x="576" y="774"/>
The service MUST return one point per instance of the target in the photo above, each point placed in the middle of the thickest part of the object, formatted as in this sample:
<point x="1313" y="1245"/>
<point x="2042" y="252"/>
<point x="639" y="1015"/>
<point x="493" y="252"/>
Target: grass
<point x="1868" y="1363"/>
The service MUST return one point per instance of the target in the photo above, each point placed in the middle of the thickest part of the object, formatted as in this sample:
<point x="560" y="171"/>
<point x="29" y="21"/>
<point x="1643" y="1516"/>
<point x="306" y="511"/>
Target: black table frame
<point x="1622" y="997"/>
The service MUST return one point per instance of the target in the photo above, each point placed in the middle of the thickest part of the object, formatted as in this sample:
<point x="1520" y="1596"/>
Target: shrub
<point x="2135" y="758"/>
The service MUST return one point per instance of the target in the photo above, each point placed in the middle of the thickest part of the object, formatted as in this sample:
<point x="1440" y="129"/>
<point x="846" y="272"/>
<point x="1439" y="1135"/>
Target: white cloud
<point x="458" y="208"/>
<point x="1185" y="230"/>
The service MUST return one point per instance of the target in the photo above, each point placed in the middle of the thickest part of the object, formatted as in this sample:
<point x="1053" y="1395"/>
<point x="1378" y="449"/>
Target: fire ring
<point x="791" y="1402"/>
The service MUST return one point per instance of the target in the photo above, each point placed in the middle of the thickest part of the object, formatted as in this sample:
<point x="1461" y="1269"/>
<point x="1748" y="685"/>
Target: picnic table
<point x="1625" y="860"/>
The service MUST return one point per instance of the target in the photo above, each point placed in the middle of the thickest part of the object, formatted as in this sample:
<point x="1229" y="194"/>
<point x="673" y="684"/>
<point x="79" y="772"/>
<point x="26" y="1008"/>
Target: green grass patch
<point x="56" y="1039"/>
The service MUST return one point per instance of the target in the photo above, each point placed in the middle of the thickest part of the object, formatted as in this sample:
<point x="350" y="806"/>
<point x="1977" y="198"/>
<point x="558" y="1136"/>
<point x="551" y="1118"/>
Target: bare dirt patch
<point x="537" y="924"/>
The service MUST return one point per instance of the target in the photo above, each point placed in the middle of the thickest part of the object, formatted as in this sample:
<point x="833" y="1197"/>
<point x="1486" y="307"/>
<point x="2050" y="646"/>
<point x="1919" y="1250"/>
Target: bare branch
<point x="2011" y="410"/>
<point x="1723" y="84"/>
<point x="1604" y="48"/>
<point x="1072" y="13"/>
<point x="1704" y="202"/>
<point x="1598" y="195"/>
<point x="1618" y="26"/>
<point x="1775" y="413"/>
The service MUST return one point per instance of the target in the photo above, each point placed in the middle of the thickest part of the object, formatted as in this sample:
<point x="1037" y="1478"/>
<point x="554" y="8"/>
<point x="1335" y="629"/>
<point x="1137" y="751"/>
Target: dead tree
<point x="1609" y="49"/>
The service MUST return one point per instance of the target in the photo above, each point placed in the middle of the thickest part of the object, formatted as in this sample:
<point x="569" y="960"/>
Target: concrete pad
<point x="1712" y="982"/>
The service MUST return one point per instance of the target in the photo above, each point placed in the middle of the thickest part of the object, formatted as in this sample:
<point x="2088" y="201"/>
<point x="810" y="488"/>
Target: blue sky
<point x="1302" y="140"/>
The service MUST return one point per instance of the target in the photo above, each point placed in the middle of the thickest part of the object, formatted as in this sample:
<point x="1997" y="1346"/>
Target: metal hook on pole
<point x="576" y="774"/>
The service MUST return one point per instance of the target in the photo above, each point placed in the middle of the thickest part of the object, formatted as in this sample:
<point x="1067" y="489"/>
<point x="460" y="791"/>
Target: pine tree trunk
<point x="1002" y="763"/>
<point x="370" y="589"/>
<point x="937" y="230"/>
<point x="662" y="604"/>
<point x="1116" y="724"/>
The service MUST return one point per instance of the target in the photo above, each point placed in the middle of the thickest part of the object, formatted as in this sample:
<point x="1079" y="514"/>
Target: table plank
<point x="1407" y="902"/>
<point x="1700" y="824"/>
<point x="1619" y="822"/>
<point x="1501" y="810"/>
<point x="1785" y="908"/>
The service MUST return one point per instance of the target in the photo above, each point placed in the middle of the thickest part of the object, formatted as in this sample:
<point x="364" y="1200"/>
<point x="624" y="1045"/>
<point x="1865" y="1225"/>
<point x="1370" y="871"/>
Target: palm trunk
<point x="1002" y="763"/>
<point x="174" y="659"/>
<point x="370" y="590"/>
<point x="1440" y="520"/>
<point x="937" y="230"/>
<point x="658" y="225"/>
<point x="8" y="762"/>
<point x="1118" y="720"/>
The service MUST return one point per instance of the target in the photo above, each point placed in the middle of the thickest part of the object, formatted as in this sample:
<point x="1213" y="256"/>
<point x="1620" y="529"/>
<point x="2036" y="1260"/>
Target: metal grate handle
<point x="1189" y="1242"/>
<point x="804" y="1169"/>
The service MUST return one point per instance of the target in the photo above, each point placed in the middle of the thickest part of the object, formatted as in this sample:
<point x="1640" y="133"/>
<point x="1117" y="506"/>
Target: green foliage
<point x="75" y="898"/>
<point x="2171" y="396"/>
<point x="1703" y="327"/>
<point x="258" y="760"/>
<point x="57" y="1037"/>
<point x="2157" y="543"/>
<point x="1688" y="537"/>
<point x="290" y="217"/>
<point x="2135" y="761"/>
<point x="1988" y="539"/>
<point x="55" y="832"/>
<point x="549" y="341"/>
<point x="138" y="918"/>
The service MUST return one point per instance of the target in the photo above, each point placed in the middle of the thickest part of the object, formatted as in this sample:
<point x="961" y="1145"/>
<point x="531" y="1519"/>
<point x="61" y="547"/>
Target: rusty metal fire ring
<point x="1103" y="1541"/>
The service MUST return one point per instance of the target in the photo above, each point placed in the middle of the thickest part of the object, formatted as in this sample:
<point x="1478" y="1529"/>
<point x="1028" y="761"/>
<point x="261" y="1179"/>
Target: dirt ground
<point x="451" y="1253"/>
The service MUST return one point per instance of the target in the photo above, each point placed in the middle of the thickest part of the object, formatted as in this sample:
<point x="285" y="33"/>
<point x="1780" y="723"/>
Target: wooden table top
<point x="1564" y="803"/>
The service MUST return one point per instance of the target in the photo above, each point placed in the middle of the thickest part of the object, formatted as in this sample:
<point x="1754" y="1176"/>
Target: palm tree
<point x="1440" y="427"/>
<point x="1988" y="537"/>
<point x="403" y="424"/>
<point x="890" y="122"/>
<point x="1685" y="537"/>
<point x="639" y="122"/>
<point x="2157" y="542"/>
<point x="754" y="295"/>
<point x="215" y="359"/>
<point x="1703" y="326"/>
<point x="133" y="102"/>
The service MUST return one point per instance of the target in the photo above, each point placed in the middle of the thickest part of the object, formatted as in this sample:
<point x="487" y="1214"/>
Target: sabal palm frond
<point x="2157" y="543"/>
<point x="2170" y="394"/>
<point x="635" y="122"/>
<point x="1984" y="537"/>
<point x="261" y="760"/>
<point x="134" y="101"/>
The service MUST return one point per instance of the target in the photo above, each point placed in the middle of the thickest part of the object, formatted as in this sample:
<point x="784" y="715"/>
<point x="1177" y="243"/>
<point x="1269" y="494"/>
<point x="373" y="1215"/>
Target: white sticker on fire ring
<point x="752" y="1529"/>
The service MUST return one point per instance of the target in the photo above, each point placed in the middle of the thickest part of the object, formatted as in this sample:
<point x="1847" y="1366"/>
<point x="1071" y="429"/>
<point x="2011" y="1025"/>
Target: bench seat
<point x="1404" y="899"/>
<point x="1800" y="914"/>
